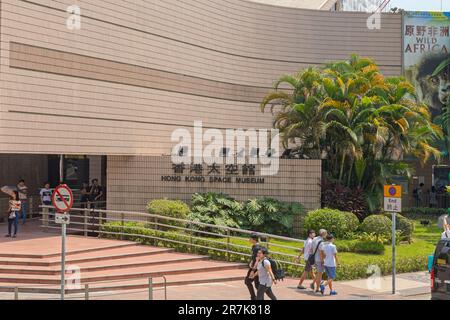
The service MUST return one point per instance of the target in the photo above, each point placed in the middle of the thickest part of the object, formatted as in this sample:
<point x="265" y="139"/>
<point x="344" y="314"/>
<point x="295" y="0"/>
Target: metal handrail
<point x="151" y="215"/>
<point x="16" y="289"/>
<point x="190" y="229"/>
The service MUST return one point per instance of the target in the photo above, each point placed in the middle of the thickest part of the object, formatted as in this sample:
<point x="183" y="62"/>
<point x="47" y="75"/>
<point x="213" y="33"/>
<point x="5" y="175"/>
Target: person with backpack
<point x="330" y="261"/>
<point x="317" y="257"/>
<point x="265" y="275"/>
<point x="307" y="251"/>
<point x="252" y="277"/>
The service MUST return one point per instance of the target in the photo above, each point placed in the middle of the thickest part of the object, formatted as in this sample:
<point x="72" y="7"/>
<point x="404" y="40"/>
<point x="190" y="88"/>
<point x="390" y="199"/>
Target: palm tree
<point x="354" y="118"/>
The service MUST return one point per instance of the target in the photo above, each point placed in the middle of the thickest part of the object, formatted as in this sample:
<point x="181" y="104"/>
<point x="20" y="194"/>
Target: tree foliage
<point x="360" y="122"/>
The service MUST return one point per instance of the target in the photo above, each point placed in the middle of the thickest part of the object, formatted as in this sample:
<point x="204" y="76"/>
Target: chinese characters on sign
<point x="245" y="173"/>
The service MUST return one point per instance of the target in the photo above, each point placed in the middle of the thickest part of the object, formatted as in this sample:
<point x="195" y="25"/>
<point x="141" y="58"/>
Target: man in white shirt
<point x="307" y="251"/>
<point x="329" y="262"/>
<point x="46" y="194"/>
<point x="317" y="247"/>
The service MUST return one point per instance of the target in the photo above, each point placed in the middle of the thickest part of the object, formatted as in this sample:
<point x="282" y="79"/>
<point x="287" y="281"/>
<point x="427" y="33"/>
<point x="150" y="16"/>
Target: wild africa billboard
<point x="426" y="56"/>
<point x="426" y="63"/>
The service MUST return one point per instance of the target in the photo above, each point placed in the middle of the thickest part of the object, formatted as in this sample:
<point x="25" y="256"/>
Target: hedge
<point x="340" y="223"/>
<point x="379" y="225"/>
<point x="352" y="271"/>
<point x="423" y="212"/>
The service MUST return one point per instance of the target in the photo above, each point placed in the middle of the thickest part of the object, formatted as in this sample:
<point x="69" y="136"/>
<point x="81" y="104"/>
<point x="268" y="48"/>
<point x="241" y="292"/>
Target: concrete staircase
<point x="116" y="265"/>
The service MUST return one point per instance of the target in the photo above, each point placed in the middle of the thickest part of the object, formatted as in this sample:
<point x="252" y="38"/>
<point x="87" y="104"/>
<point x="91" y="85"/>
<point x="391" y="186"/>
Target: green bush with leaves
<point x="264" y="215"/>
<point x="379" y="225"/>
<point x="403" y="225"/>
<point x="181" y="242"/>
<point x="215" y="208"/>
<point x="423" y="212"/>
<point x="371" y="247"/>
<point x="351" y="220"/>
<point x="169" y="208"/>
<point x="270" y="216"/>
<point x="340" y="223"/>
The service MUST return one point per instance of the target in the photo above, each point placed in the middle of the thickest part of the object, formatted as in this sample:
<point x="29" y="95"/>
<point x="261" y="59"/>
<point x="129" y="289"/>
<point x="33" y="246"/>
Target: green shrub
<point x="352" y="221"/>
<point x="404" y="225"/>
<point x="181" y="242"/>
<point x="170" y="208"/>
<point x="345" y="245"/>
<point x="423" y="212"/>
<point x="339" y="223"/>
<point x="379" y="225"/>
<point x="215" y="208"/>
<point x="264" y="215"/>
<point x="269" y="215"/>
<point x="372" y="237"/>
<point x="371" y="247"/>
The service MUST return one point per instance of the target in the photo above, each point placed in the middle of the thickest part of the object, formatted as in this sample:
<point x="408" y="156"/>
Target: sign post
<point x="393" y="204"/>
<point x="62" y="199"/>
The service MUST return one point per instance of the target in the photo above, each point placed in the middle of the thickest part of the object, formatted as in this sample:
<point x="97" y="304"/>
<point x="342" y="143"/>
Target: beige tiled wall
<point x="133" y="181"/>
<point x="136" y="70"/>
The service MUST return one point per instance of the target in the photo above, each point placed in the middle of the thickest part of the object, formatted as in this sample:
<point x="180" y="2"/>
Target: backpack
<point x="277" y="269"/>
<point x="311" y="257"/>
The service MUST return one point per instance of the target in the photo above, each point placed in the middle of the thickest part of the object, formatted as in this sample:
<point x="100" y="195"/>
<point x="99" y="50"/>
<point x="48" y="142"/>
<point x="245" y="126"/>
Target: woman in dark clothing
<point x="84" y="194"/>
<point x="13" y="213"/>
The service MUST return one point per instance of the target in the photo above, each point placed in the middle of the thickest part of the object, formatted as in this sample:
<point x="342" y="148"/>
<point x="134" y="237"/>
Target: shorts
<point x="331" y="272"/>
<point x="319" y="266"/>
<point x="308" y="266"/>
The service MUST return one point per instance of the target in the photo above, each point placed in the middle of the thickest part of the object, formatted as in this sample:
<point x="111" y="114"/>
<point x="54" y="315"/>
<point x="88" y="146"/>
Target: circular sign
<point x="62" y="198"/>
<point x="392" y="191"/>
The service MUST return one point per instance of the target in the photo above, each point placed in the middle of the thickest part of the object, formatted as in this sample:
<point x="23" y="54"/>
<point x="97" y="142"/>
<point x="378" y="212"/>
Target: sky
<point x="421" y="5"/>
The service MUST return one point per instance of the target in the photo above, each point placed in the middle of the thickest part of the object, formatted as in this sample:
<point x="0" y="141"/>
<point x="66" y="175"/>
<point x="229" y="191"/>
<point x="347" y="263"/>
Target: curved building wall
<point x="137" y="70"/>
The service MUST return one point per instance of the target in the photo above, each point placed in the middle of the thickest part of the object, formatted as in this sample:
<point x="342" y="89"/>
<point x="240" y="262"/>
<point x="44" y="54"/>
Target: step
<point x="127" y="262"/>
<point x="132" y="284"/>
<point x="119" y="244"/>
<point x="106" y="254"/>
<point x="127" y="273"/>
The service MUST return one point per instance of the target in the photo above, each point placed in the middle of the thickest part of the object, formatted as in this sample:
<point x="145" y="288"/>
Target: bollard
<point x="16" y="293"/>
<point x="150" y="288"/>
<point x="86" y="291"/>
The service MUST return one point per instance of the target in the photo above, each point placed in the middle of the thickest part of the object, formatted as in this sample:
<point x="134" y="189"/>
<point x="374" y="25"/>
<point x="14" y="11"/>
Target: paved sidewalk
<point x="31" y="239"/>
<point x="286" y="290"/>
<point x="408" y="285"/>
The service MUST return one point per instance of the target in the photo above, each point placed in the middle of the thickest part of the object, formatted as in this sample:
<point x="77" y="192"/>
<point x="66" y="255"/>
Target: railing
<point x="87" y="292"/>
<point x="192" y="236"/>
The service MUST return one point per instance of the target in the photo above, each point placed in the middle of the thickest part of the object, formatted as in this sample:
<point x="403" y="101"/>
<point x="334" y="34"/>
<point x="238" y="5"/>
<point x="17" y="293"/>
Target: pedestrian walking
<point x="46" y="194"/>
<point x="23" y="197"/>
<point x="251" y="280"/>
<point x="317" y="247"/>
<point x="12" y="212"/>
<point x="330" y="262"/>
<point x="265" y="275"/>
<point x="306" y="252"/>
